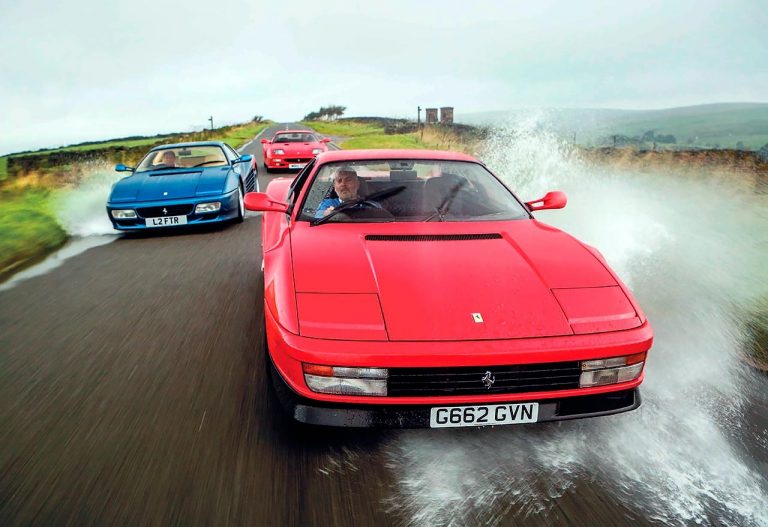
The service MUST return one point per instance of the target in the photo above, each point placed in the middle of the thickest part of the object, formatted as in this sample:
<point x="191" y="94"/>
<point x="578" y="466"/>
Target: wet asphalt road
<point x="133" y="392"/>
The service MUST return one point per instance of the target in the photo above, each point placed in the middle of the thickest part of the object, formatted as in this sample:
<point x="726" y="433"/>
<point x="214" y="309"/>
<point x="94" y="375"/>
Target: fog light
<point x="123" y="214"/>
<point x="341" y="380"/>
<point x="202" y="208"/>
<point x="614" y="370"/>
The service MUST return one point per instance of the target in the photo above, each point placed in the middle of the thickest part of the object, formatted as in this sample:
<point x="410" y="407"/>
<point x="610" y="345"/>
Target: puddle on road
<point x="693" y="251"/>
<point x="72" y="248"/>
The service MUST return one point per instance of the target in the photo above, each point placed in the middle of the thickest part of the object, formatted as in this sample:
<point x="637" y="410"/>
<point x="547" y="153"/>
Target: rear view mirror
<point x="325" y="140"/>
<point x="553" y="200"/>
<point x="265" y="141"/>
<point x="122" y="168"/>
<point x="245" y="158"/>
<point x="260" y="201"/>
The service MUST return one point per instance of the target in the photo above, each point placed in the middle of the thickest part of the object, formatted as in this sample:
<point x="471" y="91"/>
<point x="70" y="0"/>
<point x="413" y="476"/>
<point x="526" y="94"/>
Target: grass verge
<point x="3" y="168"/>
<point x="29" y="229"/>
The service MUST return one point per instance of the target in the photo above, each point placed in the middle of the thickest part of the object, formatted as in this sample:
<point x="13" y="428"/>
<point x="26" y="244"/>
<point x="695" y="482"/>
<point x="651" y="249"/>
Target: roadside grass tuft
<point x="28" y="229"/>
<point x="384" y="141"/>
<point x="237" y="136"/>
<point x="3" y="168"/>
<point x="344" y="129"/>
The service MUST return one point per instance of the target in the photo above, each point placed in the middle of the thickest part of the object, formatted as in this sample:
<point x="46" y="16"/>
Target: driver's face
<point x="346" y="185"/>
<point x="169" y="158"/>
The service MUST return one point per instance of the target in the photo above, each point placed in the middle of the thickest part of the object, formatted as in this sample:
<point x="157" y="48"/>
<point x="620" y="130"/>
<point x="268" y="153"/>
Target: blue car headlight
<point x="202" y="208"/>
<point x="123" y="214"/>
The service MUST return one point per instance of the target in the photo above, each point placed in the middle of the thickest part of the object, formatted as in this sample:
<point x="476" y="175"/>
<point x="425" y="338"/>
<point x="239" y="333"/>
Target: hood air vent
<point x="431" y="237"/>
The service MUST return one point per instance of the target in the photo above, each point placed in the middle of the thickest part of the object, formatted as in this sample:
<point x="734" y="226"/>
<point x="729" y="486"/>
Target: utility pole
<point x="211" y="119"/>
<point x="418" y="117"/>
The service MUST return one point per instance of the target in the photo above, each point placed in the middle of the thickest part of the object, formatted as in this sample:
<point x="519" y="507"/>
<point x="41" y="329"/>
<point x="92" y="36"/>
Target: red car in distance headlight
<point x="412" y="288"/>
<point x="292" y="149"/>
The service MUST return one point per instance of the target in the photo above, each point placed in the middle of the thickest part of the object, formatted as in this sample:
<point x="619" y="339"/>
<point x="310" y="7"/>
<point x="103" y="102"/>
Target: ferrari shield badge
<point x="477" y="317"/>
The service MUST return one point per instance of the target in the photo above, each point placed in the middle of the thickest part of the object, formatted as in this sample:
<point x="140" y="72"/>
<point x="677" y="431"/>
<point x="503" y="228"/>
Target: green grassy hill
<point x="726" y="125"/>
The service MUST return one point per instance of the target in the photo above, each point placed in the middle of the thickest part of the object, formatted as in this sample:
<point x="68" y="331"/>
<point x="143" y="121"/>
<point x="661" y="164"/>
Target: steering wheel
<point x="366" y="209"/>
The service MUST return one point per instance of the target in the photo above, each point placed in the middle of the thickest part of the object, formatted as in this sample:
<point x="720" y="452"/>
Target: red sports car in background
<point x="412" y="288"/>
<point x="292" y="149"/>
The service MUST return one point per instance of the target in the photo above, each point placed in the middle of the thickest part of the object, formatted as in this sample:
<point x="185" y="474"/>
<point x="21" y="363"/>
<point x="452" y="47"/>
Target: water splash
<point x="82" y="210"/>
<point x="692" y="249"/>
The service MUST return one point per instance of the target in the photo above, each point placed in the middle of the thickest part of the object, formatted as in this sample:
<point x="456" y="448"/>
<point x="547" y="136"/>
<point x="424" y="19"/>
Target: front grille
<point x="420" y="382"/>
<point x="431" y="237"/>
<point x="168" y="210"/>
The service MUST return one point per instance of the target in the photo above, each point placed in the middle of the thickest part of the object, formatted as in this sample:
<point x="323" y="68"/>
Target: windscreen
<point x="295" y="137"/>
<point x="408" y="190"/>
<point x="183" y="157"/>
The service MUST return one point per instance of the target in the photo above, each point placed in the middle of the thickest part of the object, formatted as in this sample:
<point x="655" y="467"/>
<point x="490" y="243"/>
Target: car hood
<point x="296" y="149"/>
<point x="452" y="282"/>
<point x="170" y="184"/>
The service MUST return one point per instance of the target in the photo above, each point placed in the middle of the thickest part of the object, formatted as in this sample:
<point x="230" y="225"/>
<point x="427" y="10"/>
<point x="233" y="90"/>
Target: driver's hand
<point x="327" y="211"/>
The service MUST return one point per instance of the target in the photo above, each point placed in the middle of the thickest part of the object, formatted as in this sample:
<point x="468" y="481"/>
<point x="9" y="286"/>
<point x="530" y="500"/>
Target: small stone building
<point x="446" y="115"/>
<point x="431" y="117"/>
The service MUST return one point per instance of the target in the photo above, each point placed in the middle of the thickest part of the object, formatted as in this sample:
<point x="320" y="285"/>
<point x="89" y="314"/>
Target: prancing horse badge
<point x="477" y="317"/>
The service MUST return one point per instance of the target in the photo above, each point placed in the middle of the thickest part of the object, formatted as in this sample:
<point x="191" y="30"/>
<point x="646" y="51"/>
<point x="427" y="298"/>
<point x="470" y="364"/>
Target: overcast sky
<point x="92" y="69"/>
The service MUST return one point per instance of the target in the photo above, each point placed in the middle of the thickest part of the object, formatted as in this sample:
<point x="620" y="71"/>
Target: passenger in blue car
<point x="346" y="183"/>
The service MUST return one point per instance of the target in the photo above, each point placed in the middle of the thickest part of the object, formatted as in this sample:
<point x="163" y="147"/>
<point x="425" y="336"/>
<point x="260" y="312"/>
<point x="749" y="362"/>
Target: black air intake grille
<point x="431" y="237"/>
<point x="168" y="210"/>
<point x="419" y="382"/>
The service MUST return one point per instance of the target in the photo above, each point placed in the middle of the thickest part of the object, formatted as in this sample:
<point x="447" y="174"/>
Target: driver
<point x="346" y="183"/>
<point x="169" y="159"/>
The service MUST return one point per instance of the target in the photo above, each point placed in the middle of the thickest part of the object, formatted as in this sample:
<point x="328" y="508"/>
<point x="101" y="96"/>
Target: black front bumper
<point x="417" y="416"/>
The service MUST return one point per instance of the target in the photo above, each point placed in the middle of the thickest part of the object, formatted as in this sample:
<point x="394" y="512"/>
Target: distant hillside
<point x="726" y="125"/>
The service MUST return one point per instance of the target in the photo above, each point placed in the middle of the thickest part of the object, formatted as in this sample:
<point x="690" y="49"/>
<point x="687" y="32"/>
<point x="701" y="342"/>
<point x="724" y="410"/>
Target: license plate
<point x="166" y="221"/>
<point x="484" y="415"/>
<point x="296" y="165"/>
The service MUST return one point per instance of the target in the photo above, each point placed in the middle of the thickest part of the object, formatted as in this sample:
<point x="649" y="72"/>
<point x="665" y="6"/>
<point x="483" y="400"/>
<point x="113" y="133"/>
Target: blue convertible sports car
<point x="182" y="184"/>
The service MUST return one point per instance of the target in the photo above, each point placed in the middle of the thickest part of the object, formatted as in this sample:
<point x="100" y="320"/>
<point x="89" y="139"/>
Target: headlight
<point x="346" y="381"/>
<point x="600" y="372"/>
<point x="123" y="214"/>
<point x="316" y="151"/>
<point x="207" y="207"/>
<point x="278" y="152"/>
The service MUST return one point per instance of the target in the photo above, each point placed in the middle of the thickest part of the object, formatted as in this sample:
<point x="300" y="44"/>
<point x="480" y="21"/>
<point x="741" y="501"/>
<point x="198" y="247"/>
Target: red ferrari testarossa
<point x="412" y="288"/>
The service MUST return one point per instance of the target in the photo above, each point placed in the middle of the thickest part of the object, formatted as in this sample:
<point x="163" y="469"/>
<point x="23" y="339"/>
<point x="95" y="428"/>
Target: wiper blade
<point x="441" y="209"/>
<point x="387" y="192"/>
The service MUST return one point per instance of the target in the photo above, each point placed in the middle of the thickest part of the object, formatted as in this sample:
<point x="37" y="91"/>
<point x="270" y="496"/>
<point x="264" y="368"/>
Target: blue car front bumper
<point x="146" y="210"/>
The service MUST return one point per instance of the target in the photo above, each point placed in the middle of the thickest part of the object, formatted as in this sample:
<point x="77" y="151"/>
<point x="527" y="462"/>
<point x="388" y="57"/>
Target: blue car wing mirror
<point x="122" y="168"/>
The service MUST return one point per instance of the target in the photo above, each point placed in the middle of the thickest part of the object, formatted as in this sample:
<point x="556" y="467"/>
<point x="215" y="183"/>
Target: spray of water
<point x="81" y="210"/>
<point x="693" y="251"/>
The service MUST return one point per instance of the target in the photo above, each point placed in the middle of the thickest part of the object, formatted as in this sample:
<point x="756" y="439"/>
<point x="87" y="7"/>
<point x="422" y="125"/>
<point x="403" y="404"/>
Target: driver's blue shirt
<point x="335" y="202"/>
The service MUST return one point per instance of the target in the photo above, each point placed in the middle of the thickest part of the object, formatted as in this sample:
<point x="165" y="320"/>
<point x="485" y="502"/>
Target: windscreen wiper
<point x="441" y="209"/>
<point x="387" y="192"/>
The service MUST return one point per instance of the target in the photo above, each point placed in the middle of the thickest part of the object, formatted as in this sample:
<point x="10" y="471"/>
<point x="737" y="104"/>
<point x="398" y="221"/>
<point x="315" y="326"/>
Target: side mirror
<point x="260" y="201"/>
<point x="553" y="200"/>
<point x="122" y="168"/>
<point x="245" y="158"/>
<point x="265" y="141"/>
<point x="325" y="140"/>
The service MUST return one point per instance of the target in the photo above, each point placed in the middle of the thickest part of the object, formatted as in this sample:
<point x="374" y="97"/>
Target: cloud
<point x="88" y="69"/>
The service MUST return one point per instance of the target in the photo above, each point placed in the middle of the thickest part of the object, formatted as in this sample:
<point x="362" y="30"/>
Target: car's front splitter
<point x="418" y="416"/>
